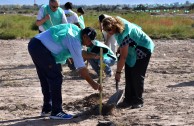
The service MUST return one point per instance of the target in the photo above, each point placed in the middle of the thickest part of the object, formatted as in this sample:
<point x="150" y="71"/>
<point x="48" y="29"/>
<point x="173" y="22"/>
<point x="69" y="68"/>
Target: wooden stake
<point x="101" y="70"/>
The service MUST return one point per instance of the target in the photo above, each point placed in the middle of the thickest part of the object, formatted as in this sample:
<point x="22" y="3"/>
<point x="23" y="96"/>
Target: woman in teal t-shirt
<point x="135" y="48"/>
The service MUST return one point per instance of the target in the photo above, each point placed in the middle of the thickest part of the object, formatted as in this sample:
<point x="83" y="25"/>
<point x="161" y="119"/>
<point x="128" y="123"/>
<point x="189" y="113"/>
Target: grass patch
<point x="17" y="27"/>
<point x="157" y="27"/>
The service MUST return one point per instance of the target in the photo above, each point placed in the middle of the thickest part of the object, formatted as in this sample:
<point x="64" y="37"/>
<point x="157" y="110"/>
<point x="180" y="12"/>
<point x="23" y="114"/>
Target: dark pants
<point x="39" y="31"/>
<point x="70" y="64"/>
<point x="49" y="74"/>
<point x="134" y="77"/>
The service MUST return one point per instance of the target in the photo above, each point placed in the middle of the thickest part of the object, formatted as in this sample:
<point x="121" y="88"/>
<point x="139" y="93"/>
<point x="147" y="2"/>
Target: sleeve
<point x="64" y="18"/>
<point x="127" y="41"/>
<point x="40" y="13"/>
<point x="75" y="49"/>
<point x="76" y="18"/>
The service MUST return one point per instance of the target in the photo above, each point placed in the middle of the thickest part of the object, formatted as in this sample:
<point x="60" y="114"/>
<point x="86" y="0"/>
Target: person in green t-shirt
<point x="53" y="47"/>
<point x="135" y="48"/>
<point x="50" y="15"/>
<point x="109" y="58"/>
<point x="80" y="12"/>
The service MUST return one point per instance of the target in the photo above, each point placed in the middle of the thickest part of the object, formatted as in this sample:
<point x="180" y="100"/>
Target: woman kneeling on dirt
<point x="135" y="48"/>
<point x="53" y="47"/>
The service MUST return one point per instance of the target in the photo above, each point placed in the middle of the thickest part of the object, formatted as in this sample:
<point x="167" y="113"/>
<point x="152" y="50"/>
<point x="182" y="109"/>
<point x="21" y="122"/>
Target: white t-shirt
<point x="68" y="42"/>
<point x="111" y="43"/>
<point x="72" y="17"/>
<point x="41" y="16"/>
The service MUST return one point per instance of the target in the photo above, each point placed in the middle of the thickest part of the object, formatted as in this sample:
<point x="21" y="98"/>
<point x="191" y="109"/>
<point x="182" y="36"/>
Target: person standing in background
<point x="72" y="18"/>
<point x="50" y="15"/>
<point x="109" y="40"/>
<point x="81" y="12"/>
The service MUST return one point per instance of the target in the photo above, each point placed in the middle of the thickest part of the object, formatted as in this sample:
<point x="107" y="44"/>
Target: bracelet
<point x="118" y="72"/>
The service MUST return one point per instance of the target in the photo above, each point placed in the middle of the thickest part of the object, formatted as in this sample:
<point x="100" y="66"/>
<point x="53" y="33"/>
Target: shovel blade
<point x="115" y="98"/>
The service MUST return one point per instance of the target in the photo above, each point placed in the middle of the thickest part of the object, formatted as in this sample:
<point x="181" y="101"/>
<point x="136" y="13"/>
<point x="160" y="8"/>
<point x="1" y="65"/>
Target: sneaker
<point x="110" y="74"/>
<point x="124" y="105"/>
<point x="137" y="106"/>
<point x="46" y="111"/>
<point x="61" y="115"/>
<point x="45" y="114"/>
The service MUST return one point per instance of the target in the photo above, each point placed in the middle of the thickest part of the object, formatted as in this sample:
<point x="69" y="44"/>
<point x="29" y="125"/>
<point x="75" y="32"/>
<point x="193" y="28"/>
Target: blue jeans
<point x="95" y="63"/>
<point x="49" y="74"/>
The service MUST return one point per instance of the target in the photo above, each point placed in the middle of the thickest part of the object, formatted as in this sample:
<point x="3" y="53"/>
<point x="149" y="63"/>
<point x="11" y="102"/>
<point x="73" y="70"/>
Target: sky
<point x="93" y="2"/>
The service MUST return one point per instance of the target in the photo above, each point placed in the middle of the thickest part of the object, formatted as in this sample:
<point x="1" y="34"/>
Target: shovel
<point x="116" y="97"/>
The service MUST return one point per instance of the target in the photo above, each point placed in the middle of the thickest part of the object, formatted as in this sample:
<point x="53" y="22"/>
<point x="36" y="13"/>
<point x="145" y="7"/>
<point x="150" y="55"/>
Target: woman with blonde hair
<point x="135" y="48"/>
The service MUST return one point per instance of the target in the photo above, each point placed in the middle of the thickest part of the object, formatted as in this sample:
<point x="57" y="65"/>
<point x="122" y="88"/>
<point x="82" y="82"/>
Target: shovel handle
<point x="117" y="87"/>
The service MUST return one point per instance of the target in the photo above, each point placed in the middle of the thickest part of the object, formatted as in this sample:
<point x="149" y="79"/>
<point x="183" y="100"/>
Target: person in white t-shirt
<point x="72" y="17"/>
<point x="50" y="15"/>
<point x="109" y="40"/>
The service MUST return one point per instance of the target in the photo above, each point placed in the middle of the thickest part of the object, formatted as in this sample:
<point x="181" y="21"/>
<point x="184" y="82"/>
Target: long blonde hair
<point x="109" y="23"/>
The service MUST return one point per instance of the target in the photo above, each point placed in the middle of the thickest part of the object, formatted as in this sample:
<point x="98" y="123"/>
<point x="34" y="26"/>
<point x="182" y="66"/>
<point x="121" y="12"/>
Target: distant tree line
<point x="162" y="7"/>
<point x="25" y="9"/>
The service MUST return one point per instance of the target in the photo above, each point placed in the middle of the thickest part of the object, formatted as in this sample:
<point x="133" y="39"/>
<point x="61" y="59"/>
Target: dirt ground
<point x="168" y="95"/>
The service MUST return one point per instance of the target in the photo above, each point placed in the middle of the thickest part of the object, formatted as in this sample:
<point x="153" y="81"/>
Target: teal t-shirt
<point x="59" y="32"/>
<point x="81" y="21"/>
<point x="138" y="36"/>
<point x="107" y="52"/>
<point x="56" y="17"/>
